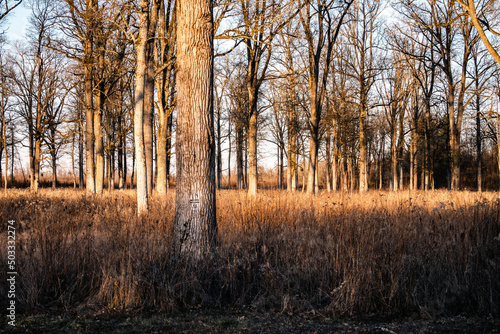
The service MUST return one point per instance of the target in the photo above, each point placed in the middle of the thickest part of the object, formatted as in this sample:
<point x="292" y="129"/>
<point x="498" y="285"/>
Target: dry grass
<point x="381" y="253"/>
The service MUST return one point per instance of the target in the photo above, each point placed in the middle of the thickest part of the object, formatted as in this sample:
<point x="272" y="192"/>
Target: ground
<point x="241" y="322"/>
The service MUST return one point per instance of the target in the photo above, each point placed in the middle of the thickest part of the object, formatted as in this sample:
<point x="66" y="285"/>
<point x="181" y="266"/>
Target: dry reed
<point x="381" y="253"/>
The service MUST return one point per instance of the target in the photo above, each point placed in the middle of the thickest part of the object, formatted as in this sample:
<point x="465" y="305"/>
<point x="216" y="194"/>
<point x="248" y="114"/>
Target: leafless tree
<point x="195" y="226"/>
<point x="321" y="22"/>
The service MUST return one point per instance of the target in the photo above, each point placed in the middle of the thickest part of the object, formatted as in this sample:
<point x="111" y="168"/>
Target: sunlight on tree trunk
<point x="195" y="227"/>
<point x="142" y="191"/>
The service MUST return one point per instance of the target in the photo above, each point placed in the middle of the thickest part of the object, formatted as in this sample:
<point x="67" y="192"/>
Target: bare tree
<point x="262" y="21"/>
<point x="478" y="18"/>
<point x="7" y="6"/>
<point x="361" y="36"/>
<point x="195" y="226"/>
<point x="78" y="23"/>
<point x="141" y="43"/>
<point x="5" y="96"/>
<point x="165" y="87"/>
<point x="317" y="19"/>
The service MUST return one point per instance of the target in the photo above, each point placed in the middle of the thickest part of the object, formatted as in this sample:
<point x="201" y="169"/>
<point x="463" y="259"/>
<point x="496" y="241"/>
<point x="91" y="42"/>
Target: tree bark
<point x="195" y="226"/>
<point x="239" y="155"/>
<point x="149" y="87"/>
<point x="328" y="161"/>
<point x="363" y="153"/>
<point x="335" y="157"/>
<point x="99" y="145"/>
<point x="478" y="140"/>
<point x="88" y="87"/>
<point x="252" y="144"/>
<point x="394" y="153"/>
<point x="141" y="44"/>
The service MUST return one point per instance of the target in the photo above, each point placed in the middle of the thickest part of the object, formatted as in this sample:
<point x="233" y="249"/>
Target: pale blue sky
<point x="16" y="23"/>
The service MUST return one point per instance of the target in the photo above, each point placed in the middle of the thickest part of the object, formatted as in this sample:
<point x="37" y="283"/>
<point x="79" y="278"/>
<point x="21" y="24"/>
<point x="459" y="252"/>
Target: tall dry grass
<point x="381" y="253"/>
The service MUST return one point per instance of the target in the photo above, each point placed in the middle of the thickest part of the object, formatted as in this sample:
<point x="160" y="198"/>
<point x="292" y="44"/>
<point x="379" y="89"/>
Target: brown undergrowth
<point x="381" y="253"/>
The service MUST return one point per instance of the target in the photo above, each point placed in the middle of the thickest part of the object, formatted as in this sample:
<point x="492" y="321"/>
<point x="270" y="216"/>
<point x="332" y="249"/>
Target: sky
<point x="16" y="24"/>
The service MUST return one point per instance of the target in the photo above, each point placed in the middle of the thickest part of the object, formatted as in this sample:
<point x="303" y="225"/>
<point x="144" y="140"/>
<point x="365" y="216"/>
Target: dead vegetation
<point x="383" y="253"/>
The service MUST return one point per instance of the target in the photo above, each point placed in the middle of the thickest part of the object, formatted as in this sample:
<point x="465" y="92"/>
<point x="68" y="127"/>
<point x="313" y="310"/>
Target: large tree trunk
<point x="141" y="43"/>
<point x="195" y="226"/>
<point x="88" y="87"/>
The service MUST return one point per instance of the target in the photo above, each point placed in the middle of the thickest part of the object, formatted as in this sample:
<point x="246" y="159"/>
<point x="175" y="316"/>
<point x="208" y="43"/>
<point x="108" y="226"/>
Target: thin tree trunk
<point x="363" y="154"/>
<point x="335" y="157"/>
<point x="148" y="120"/>
<point x="316" y="177"/>
<point x="4" y="142"/>
<point x="219" y="150"/>
<point x="351" y="173"/>
<point x="54" y="174"/>
<point x="141" y="68"/>
<point x="12" y="157"/>
<point x="394" y="156"/>
<point x="229" y="157"/>
<point x="81" y="179"/>
<point x="239" y="156"/>
<point x="121" y="181"/>
<point x="313" y="141"/>
<point x="73" y="159"/>
<point x="478" y="142"/>
<point x="252" y="152"/>
<point x="427" y="142"/>
<point x="161" y="180"/>
<point x="149" y="86"/>
<point x="328" y="161"/>
<point x="99" y="146"/>
<point x="36" y="165"/>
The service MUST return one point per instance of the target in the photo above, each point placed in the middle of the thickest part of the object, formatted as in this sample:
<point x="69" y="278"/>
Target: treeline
<point x="351" y="94"/>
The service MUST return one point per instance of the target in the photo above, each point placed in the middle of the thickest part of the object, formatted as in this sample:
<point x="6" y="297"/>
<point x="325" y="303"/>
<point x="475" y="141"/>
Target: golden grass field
<point x="381" y="253"/>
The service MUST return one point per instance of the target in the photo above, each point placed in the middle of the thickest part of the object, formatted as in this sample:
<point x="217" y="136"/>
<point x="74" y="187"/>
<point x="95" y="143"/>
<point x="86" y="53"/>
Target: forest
<point x="351" y="95"/>
<point x="234" y="160"/>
